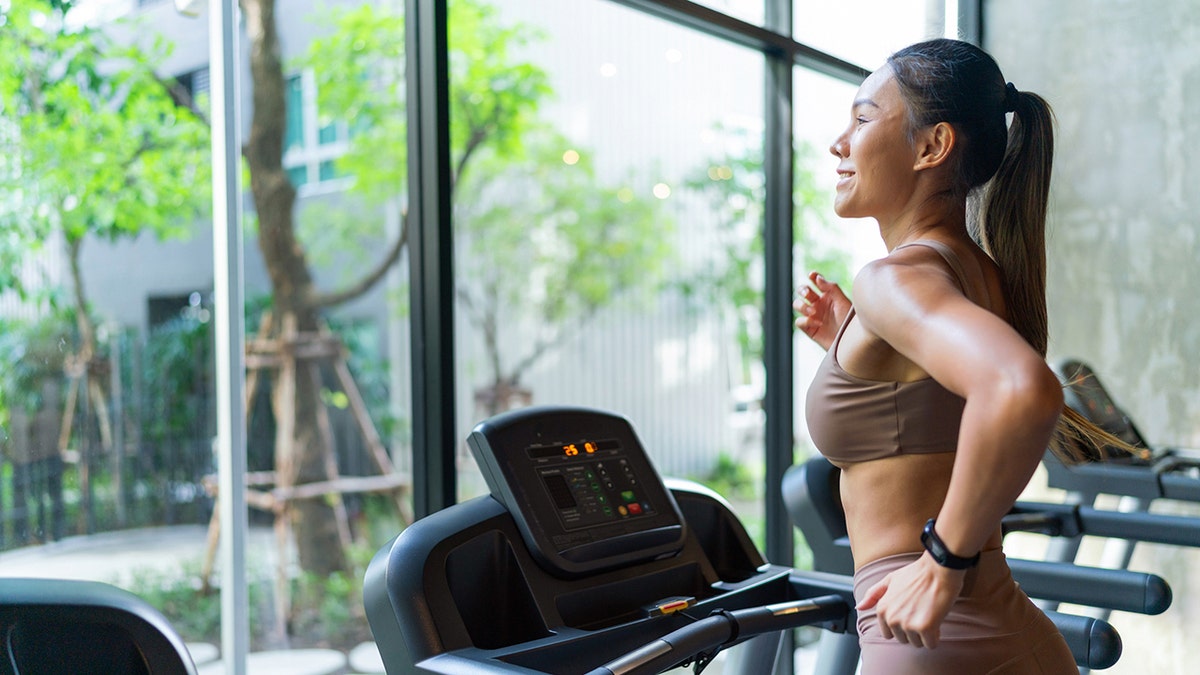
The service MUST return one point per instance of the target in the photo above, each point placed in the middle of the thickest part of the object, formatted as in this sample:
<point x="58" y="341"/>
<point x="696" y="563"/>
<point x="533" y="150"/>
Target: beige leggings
<point x="993" y="628"/>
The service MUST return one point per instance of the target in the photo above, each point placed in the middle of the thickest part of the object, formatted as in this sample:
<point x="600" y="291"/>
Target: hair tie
<point x="1011" y="97"/>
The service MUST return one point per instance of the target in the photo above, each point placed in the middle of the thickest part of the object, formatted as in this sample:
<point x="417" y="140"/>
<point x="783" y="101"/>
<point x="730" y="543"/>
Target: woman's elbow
<point x="1036" y="392"/>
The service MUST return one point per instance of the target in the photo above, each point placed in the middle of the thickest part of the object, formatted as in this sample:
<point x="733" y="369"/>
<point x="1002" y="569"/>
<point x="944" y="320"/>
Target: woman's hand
<point x="911" y="603"/>
<point x="822" y="310"/>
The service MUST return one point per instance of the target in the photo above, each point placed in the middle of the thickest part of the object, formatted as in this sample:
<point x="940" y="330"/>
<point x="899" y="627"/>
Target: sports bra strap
<point x="951" y="259"/>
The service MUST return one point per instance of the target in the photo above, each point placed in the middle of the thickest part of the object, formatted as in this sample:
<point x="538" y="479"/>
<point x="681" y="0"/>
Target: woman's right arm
<point x="822" y="307"/>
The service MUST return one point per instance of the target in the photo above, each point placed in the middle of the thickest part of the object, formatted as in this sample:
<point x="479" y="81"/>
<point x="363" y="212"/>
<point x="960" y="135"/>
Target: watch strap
<point x="942" y="555"/>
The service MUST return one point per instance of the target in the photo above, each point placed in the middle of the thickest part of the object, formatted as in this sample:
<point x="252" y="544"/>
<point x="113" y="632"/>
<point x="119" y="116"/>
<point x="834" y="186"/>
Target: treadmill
<point x="583" y="561"/>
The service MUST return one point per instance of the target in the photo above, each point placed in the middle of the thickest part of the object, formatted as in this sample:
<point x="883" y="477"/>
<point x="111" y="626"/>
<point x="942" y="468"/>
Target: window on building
<point x="313" y="142"/>
<point x="191" y="89"/>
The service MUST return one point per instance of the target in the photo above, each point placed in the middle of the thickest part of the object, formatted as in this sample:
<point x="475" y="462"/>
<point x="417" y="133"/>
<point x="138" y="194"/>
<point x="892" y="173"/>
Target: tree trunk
<point x="301" y="448"/>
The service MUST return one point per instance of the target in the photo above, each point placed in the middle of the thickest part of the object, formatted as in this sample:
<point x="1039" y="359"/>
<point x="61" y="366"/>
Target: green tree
<point x="733" y="185"/>
<point x="577" y="243"/>
<point x="495" y="99"/>
<point x="549" y="246"/>
<point x="94" y="146"/>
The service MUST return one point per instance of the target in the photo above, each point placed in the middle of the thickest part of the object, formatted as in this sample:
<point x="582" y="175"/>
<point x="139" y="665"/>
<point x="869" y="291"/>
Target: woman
<point x="934" y="397"/>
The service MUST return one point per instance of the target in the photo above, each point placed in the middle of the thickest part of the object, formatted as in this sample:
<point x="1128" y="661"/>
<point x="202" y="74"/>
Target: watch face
<point x="931" y="544"/>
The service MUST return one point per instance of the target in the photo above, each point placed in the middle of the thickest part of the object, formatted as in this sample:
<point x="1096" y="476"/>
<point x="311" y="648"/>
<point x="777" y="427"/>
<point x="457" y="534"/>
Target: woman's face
<point x="876" y="171"/>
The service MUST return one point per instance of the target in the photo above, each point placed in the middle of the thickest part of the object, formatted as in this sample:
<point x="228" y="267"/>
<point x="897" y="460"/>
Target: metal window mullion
<point x="773" y="38"/>
<point x="229" y="329"/>
<point x="778" y="361"/>
<point x="777" y="317"/>
<point x="431" y="289"/>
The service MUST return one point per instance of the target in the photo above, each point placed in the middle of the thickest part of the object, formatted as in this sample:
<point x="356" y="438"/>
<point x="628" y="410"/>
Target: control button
<point x="622" y="510"/>
<point x="635" y="508"/>
<point x="628" y="496"/>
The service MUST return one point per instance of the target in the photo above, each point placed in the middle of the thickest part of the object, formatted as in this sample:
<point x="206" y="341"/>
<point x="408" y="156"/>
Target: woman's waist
<point x="898" y="537"/>
<point x="888" y="502"/>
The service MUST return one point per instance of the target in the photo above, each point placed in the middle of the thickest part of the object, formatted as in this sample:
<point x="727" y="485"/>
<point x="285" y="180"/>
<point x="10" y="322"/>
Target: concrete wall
<point x="1124" y="80"/>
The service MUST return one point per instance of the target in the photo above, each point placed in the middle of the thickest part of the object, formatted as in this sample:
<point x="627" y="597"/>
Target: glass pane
<point x="327" y="170"/>
<point x="328" y="134"/>
<point x="107" y="420"/>
<point x="298" y="175"/>
<point x="867" y="32"/>
<point x="294" y="139"/>
<point x="606" y="239"/>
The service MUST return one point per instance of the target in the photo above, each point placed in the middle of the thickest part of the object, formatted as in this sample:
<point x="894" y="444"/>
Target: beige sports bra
<point x="852" y="419"/>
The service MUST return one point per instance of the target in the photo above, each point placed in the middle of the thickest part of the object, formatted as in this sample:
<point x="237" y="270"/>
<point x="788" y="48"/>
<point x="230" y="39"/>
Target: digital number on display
<point x="577" y="449"/>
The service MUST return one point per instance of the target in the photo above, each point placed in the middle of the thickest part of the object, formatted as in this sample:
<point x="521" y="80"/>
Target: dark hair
<point x="1004" y="174"/>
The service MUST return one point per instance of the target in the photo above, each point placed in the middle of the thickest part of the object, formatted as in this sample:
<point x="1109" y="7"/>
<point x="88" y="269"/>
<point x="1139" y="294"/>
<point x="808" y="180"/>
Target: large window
<point x="609" y="197"/>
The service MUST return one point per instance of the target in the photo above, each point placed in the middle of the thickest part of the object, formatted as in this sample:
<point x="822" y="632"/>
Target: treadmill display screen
<point x="590" y="483"/>
<point x="580" y="487"/>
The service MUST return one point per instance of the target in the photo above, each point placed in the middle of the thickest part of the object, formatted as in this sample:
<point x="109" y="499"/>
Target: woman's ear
<point x="933" y="145"/>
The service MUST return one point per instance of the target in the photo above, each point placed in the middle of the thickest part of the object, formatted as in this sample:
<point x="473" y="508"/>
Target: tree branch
<point x="354" y="290"/>
<point x="478" y="136"/>
<point x="543" y="346"/>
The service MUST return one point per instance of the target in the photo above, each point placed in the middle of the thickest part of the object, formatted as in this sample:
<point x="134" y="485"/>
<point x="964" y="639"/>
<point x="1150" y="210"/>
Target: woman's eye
<point x="860" y="120"/>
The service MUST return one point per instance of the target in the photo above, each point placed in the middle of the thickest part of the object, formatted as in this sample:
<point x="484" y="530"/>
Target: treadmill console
<point x="579" y="486"/>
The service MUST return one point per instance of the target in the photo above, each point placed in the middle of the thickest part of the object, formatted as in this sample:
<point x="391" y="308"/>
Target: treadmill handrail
<point x="1121" y="590"/>
<point x="722" y="628"/>
<point x="1071" y="520"/>
<point x="1094" y="643"/>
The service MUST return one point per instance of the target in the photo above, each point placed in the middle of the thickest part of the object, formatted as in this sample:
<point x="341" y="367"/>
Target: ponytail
<point x="1011" y="226"/>
<point x="1011" y="223"/>
<point x="1005" y="173"/>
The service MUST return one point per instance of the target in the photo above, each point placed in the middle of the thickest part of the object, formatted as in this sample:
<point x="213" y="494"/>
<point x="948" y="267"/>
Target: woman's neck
<point x="936" y="217"/>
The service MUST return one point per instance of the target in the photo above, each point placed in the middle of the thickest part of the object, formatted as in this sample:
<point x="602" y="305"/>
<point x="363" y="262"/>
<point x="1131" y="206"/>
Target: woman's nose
<point x="838" y="147"/>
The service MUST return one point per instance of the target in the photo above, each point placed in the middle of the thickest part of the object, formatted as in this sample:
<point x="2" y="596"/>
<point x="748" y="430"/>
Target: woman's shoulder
<point x="909" y="281"/>
<point x="903" y="268"/>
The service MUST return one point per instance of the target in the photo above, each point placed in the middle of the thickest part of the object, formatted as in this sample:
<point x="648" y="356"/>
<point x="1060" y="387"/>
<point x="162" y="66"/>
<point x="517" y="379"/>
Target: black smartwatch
<point x="941" y="554"/>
